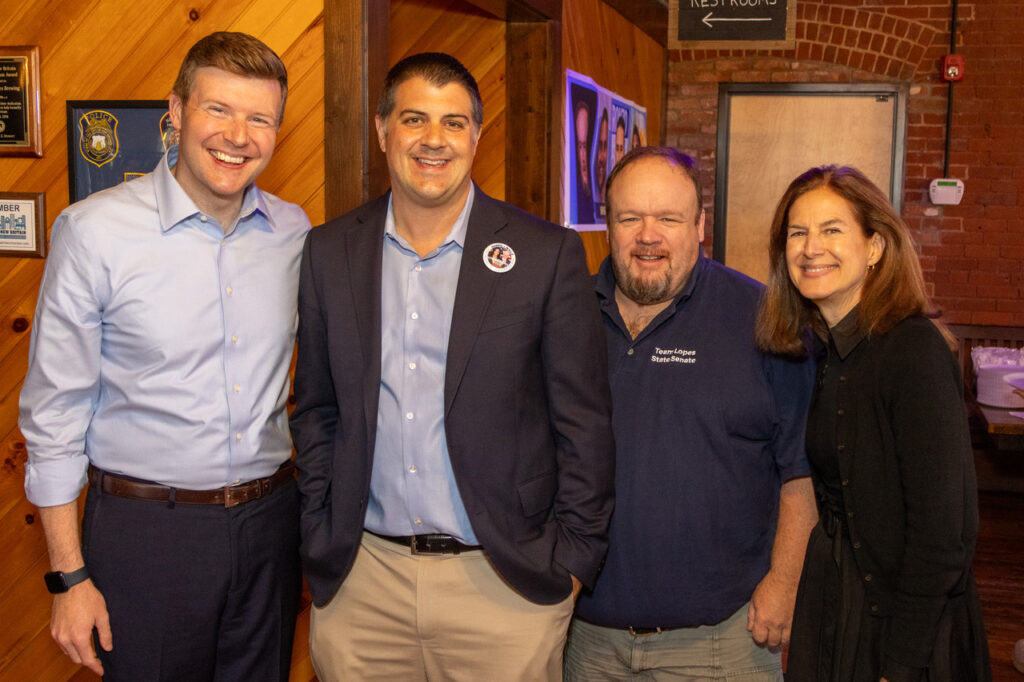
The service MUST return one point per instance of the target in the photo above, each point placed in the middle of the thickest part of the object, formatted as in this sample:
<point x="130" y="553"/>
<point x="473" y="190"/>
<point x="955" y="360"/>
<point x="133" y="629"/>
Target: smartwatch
<point x="58" y="582"/>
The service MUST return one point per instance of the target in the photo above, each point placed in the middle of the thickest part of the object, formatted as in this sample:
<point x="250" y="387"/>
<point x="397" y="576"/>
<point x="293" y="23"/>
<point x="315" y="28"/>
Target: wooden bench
<point x="1005" y="431"/>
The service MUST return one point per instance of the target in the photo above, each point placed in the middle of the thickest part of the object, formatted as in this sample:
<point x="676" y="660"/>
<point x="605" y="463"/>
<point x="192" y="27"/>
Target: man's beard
<point x="642" y="292"/>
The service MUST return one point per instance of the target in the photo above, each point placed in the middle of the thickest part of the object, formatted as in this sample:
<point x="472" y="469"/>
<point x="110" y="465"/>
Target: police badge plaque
<point x="20" y="127"/>
<point x="114" y="141"/>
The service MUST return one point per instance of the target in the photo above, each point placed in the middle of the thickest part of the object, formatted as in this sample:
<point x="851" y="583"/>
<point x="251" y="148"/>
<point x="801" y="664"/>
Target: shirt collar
<point x="604" y="283"/>
<point x="846" y="334"/>
<point x="175" y="206"/>
<point x="457" y="234"/>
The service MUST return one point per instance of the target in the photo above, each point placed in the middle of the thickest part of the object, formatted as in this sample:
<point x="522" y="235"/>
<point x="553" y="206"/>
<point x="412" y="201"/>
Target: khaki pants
<point x="725" y="651"/>
<point x="400" y="616"/>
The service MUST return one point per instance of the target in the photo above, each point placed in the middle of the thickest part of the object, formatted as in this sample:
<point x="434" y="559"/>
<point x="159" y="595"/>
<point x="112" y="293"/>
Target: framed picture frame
<point x="23" y="224"/>
<point x="21" y="131"/>
<point x="114" y="141"/>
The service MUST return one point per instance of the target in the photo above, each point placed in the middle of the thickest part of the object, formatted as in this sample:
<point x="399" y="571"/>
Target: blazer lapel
<point x="365" y="249"/>
<point x="474" y="290"/>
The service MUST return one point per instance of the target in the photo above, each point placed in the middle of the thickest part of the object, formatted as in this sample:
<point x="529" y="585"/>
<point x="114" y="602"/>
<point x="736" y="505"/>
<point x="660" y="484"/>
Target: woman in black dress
<point x="887" y="591"/>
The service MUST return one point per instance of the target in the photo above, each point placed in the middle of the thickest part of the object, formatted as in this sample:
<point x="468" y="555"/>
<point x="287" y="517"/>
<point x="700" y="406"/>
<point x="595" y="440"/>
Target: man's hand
<point x="75" y="614"/>
<point x="576" y="586"/>
<point x="771" y="611"/>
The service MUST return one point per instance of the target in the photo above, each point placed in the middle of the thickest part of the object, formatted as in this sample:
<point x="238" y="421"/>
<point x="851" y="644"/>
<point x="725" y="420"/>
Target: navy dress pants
<point x="196" y="593"/>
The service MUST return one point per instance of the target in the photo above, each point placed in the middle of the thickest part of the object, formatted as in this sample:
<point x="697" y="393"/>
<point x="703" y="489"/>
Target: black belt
<point x="431" y="543"/>
<point x="228" y="496"/>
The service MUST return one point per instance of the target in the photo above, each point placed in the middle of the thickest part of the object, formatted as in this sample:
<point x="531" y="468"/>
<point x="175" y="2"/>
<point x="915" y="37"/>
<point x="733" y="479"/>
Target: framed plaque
<point x="20" y="128"/>
<point x="23" y="224"/>
<point x="114" y="141"/>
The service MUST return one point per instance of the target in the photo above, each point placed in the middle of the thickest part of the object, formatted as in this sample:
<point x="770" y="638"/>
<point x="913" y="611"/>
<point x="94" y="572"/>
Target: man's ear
<point x="176" y="108"/>
<point x="381" y="132"/>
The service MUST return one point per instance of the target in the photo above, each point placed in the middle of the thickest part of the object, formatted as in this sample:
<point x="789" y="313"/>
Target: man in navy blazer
<point x="452" y="422"/>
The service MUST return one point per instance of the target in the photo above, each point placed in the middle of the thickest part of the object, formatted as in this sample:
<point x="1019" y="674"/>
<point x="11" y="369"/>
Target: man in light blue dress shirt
<point x="158" y="372"/>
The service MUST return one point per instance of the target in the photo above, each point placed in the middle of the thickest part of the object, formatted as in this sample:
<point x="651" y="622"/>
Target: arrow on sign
<point x="707" y="20"/>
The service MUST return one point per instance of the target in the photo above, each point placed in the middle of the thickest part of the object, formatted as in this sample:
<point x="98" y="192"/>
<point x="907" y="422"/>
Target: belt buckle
<point x="643" y="632"/>
<point x="421" y="544"/>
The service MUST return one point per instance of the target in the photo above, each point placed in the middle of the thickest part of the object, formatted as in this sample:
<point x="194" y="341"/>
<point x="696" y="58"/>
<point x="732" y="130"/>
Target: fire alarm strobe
<point x="946" y="191"/>
<point x="953" y="67"/>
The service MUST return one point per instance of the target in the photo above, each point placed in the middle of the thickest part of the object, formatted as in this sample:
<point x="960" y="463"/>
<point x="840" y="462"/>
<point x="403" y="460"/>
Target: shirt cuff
<point x="50" y="483"/>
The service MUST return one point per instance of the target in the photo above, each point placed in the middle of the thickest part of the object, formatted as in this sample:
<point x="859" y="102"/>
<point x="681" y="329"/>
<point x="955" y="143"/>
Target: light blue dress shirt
<point x="412" y="487"/>
<point x="161" y="344"/>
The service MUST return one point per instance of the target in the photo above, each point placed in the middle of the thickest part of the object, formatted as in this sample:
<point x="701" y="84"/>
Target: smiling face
<point x="828" y="252"/>
<point x="655" y="227"/>
<point x="430" y="140"/>
<point x="228" y="128"/>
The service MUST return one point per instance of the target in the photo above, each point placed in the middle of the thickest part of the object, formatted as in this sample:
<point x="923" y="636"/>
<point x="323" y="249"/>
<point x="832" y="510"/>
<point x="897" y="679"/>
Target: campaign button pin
<point x="499" y="257"/>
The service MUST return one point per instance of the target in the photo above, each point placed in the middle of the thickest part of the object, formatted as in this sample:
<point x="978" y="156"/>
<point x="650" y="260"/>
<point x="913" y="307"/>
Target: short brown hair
<point x="237" y="53"/>
<point x="670" y="154"/>
<point x="438" y="69"/>
<point x="893" y="290"/>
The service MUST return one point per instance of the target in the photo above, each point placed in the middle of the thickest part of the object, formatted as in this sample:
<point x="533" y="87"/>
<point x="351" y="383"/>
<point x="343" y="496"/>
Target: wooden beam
<point x="355" y="64"/>
<point x="651" y="16"/>
<point x="521" y="10"/>
<point x="533" y="111"/>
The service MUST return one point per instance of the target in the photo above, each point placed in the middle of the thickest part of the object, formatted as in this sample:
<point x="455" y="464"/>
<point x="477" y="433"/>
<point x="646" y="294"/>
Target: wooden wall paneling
<point x="355" y="62"/>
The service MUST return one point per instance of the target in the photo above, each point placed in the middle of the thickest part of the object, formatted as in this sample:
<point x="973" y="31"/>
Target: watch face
<point x="55" y="582"/>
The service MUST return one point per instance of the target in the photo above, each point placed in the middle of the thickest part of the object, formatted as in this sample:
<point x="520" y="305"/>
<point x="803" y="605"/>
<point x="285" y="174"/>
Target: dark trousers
<point x="196" y="593"/>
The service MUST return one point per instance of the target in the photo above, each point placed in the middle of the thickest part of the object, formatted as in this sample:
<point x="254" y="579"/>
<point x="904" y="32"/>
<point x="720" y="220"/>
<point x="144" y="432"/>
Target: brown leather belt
<point x="228" y="496"/>
<point x="431" y="543"/>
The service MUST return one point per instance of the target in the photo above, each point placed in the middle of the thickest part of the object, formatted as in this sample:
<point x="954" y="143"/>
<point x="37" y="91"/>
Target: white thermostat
<point x="946" y="191"/>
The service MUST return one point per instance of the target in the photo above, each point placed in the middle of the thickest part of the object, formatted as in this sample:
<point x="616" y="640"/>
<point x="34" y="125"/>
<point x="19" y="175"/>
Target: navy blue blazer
<point x="527" y="405"/>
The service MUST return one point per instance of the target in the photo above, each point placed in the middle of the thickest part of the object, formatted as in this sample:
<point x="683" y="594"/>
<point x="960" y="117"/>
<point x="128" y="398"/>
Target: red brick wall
<point x="971" y="253"/>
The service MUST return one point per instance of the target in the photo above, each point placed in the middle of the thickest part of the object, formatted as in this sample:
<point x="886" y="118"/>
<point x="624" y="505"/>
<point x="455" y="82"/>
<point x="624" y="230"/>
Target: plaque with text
<point x="20" y="128"/>
<point x="23" y="224"/>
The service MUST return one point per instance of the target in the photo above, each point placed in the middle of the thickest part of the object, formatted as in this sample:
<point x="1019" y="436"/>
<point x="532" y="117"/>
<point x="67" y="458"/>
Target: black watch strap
<point x="58" y="582"/>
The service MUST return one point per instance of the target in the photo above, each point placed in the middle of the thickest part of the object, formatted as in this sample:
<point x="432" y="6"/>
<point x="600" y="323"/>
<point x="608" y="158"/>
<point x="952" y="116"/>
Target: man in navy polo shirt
<point x="713" y="500"/>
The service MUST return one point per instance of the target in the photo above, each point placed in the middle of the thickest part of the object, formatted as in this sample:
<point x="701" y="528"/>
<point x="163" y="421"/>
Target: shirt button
<point x="236" y="481"/>
<point x="412" y="365"/>
<point x="203" y="218"/>
<point x="856" y="545"/>
<point x="840" y="448"/>
<point x="237" y="388"/>
<point x="840" y="412"/>
<point x="415" y="316"/>
<point x="874" y="608"/>
<point x="417" y="268"/>
<point x="234" y="339"/>
<point x="238" y="436"/>
<point x="412" y="469"/>
<point x="409" y="416"/>
<point x="419" y="521"/>
<point x="849" y="515"/>
<point x="629" y="352"/>
<point x="231" y="290"/>
<point x="842" y="378"/>
<point x="846" y="482"/>
<point x="867" y="577"/>
<point x="223" y="242"/>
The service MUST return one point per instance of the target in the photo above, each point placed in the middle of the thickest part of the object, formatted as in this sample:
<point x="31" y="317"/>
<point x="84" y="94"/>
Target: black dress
<point x="865" y="607"/>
